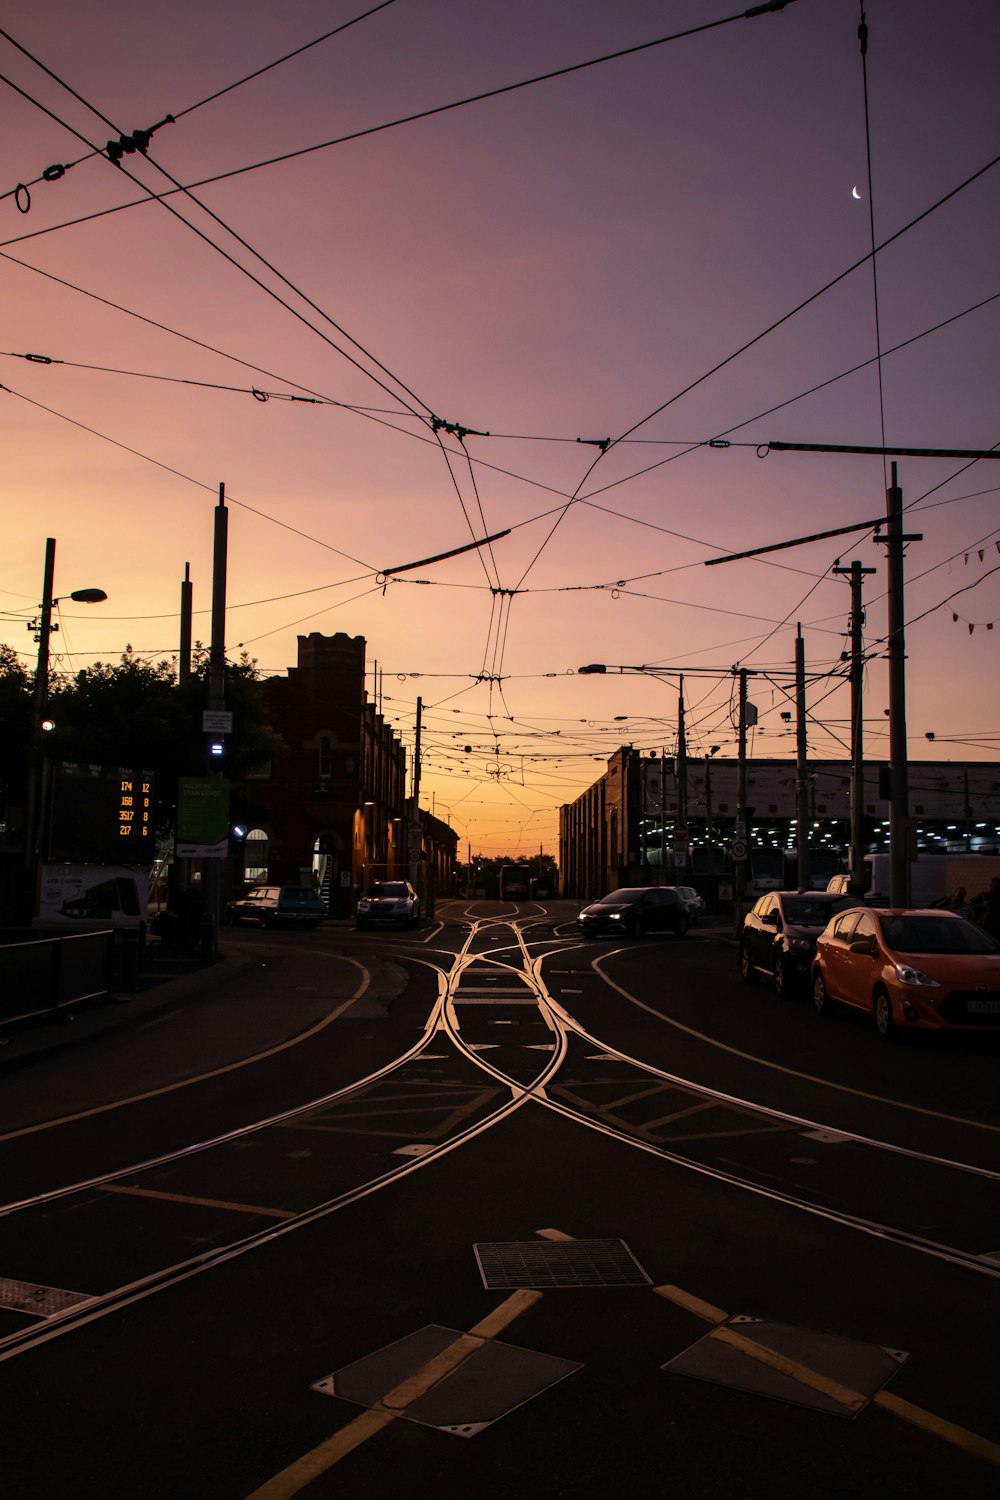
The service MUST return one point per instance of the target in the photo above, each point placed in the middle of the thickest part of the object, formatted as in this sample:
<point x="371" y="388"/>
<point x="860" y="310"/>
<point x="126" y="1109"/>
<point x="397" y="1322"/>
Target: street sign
<point x="739" y="849"/>
<point x="216" y="721"/>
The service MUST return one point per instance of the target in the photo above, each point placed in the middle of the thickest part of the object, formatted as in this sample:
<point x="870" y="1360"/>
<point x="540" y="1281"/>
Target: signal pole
<point x="857" y="620"/>
<point x="801" y="765"/>
<point x="899" y="802"/>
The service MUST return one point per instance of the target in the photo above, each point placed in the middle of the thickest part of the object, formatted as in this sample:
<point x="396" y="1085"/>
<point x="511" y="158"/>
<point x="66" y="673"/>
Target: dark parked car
<point x="389" y="901"/>
<point x="779" y="935"/>
<point x="635" y="910"/>
<point x="277" y="905"/>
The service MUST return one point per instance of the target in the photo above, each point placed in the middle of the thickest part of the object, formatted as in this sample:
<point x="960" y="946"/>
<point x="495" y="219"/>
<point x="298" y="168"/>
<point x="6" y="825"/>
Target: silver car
<point x="389" y="901"/>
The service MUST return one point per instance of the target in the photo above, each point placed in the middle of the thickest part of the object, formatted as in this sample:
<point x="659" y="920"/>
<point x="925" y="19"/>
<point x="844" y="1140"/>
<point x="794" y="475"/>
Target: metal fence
<point x="42" y="972"/>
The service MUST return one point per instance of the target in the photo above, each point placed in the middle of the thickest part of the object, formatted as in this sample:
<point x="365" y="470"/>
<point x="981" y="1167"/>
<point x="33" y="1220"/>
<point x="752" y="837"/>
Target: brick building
<point x="332" y="809"/>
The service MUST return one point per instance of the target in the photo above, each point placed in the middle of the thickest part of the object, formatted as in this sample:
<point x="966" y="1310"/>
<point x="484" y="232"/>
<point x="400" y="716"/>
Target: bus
<point x="514" y="885"/>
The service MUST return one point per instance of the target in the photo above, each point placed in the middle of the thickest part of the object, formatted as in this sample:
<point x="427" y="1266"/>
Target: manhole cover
<point x="490" y="1383"/>
<point x="42" y="1301"/>
<point x="566" y="1263"/>
<point x="801" y="1366"/>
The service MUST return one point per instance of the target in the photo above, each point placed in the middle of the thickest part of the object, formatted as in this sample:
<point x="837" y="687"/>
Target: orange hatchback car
<point x="909" y="970"/>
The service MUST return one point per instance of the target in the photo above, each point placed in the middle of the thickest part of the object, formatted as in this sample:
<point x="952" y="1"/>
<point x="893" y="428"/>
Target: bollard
<point x="207" y="936"/>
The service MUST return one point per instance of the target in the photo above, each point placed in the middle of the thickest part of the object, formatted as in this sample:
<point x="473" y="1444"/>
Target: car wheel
<point x="636" y="928"/>
<point x="821" y="1000"/>
<point x="748" y="973"/>
<point x="782" y="980"/>
<point x="681" y="927"/>
<point x="882" y="1015"/>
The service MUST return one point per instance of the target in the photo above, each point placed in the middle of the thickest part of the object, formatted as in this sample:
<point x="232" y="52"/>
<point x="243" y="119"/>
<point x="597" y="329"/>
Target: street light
<point x="44" y="627"/>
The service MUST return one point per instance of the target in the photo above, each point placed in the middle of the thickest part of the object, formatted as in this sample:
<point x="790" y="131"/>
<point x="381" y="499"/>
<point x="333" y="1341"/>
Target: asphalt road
<point x="251" y="1218"/>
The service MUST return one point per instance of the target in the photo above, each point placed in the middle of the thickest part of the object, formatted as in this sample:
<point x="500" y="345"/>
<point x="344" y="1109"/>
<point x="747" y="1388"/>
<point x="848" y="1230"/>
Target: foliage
<point x="135" y="713"/>
<point x="15" y="727"/>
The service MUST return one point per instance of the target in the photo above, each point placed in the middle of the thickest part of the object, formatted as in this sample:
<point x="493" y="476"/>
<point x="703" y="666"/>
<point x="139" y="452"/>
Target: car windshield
<point x="806" y="913"/>
<point x="388" y="888"/>
<point x="926" y="934"/>
<point x="299" y="895"/>
<point x="623" y="897"/>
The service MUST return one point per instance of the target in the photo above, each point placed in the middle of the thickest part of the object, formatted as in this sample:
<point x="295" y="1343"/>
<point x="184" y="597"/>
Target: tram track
<point x="482" y="990"/>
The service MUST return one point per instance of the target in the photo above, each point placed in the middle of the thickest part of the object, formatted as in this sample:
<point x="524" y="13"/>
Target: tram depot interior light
<point x="48" y="725"/>
<point x="217" y="747"/>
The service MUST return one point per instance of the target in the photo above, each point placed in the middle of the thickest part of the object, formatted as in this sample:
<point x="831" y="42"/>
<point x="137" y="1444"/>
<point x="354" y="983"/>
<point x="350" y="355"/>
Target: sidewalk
<point x="167" y="980"/>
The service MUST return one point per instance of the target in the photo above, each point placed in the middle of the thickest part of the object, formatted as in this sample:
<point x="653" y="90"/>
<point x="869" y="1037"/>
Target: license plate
<point x="983" y="1007"/>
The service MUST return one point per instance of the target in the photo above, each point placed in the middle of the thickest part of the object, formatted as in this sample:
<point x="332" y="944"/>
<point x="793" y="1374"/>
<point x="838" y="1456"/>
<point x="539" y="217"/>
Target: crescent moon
<point x="855" y="194"/>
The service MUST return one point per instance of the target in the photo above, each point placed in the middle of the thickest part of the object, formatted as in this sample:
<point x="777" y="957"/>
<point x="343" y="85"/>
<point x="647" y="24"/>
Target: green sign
<point x="202" y="810"/>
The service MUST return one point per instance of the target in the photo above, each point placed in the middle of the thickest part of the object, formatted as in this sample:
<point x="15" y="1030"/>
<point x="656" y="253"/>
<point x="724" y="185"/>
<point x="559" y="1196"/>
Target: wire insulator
<point x="22" y="197"/>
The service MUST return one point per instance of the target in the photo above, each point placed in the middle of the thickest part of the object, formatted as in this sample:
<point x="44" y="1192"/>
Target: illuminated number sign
<point x="101" y="815"/>
<point x="135" y="815"/>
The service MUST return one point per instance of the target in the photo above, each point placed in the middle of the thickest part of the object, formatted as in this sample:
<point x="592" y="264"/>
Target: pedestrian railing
<point x="44" y="972"/>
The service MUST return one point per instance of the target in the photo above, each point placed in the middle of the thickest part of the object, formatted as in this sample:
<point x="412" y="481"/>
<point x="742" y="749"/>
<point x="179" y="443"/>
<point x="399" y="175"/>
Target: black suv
<point x="779" y="935"/>
<point x="636" y="910"/>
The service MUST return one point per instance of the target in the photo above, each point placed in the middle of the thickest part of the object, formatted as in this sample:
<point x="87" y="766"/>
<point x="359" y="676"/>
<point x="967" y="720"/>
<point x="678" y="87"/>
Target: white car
<point x="389" y="901"/>
<point x="694" y="903"/>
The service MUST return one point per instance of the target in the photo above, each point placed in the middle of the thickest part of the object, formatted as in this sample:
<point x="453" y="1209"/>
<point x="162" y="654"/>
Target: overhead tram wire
<point x="218" y="94"/>
<point x="753" y="12"/>
<point x="863" y="40"/>
<point x="244" y="270"/>
<point x="735" y="354"/>
<point x="201" y="484"/>
<point x="422" y="437"/>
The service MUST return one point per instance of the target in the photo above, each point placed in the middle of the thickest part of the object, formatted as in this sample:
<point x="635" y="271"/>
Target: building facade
<point x="650" y="817"/>
<point x="332" y="810"/>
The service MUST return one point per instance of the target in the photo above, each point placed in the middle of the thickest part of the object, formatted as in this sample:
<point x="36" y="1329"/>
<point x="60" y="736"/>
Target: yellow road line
<point x="692" y="1303"/>
<point x="961" y="1437"/>
<point x="238" y="1208"/>
<point x="183" y="1083"/>
<point x="293" y="1479"/>
<point x="842" y="1394"/>
<point x="949" y="1432"/>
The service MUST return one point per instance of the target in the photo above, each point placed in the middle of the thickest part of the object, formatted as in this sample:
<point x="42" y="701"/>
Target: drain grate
<point x="568" y="1263"/>
<point x="40" y="1301"/>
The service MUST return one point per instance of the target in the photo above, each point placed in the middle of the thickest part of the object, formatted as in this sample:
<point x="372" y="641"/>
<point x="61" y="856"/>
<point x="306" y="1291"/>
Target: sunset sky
<point x="582" y="259"/>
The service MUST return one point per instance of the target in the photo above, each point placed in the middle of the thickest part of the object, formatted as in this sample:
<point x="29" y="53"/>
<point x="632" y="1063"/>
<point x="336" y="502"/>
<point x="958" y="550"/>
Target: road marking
<point x="917" y="1416"/>
<point x="183" y="1083"/>
<point x="960" y="1436"/>
<point x="843" y="1088"/>
<point x="842" y="1394"/>
<point x="295" y="1478"/>
<point x="238" y="1208"/>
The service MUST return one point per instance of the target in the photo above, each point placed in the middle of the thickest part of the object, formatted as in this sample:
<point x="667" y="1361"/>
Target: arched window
<point x="255" y="856"/>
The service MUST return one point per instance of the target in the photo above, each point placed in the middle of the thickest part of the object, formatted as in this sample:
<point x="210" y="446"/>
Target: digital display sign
<point x="101" y="815"/>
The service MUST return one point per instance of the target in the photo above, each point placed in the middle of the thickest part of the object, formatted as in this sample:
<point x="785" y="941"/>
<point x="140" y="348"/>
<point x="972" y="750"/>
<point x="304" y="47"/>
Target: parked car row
<point x="928" y="970"/>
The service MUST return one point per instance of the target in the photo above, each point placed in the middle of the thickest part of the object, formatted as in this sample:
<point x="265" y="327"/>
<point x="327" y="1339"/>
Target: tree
<point x="15" y="730"/>
<point x="135" y="713"/>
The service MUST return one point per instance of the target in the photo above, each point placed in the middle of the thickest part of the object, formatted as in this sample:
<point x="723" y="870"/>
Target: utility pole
<point x="415" y="831"/>
<point x="216" y="704"/>
<point x="741" y="840"/>
<point x="899" y="801"/>
<point x="663" y="811"/>
<point x="187" y="603"/>
<point x="801" y="765"/>
<point x="857" y="621"/>
<point x="681" y="822"/>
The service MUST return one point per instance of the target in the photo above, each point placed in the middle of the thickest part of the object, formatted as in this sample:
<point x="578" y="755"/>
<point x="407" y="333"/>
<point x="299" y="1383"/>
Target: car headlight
<point x="798" y="945"/>
<point x="614" y="916"/>
<point x="907" y="974"/>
